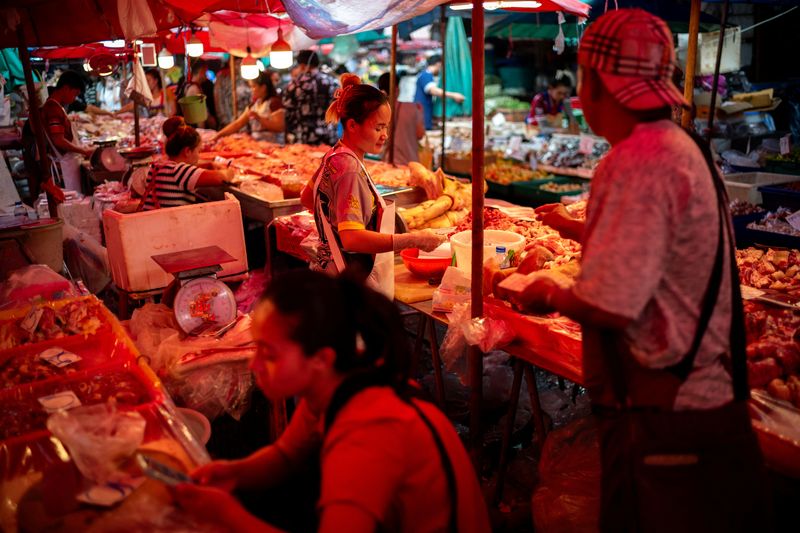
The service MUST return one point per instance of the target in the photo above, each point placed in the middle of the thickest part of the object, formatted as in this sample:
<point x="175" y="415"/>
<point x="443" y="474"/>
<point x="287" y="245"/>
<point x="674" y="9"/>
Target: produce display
<point x="100" y="127"/>
<point x="504" y="172"/>
<point x="449" y="200"/>
<point x="770" y="269"/>
<point x="561" y="188"/>
<point x="44" y="323"/>
<point x="565" y="151"/>
<point x="775" y="222"/>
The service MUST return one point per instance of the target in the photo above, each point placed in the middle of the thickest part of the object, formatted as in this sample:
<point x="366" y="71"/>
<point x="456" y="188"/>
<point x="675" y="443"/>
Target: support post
<point x="715" y="81"/>
<point x="443" y="31"/>
<point x="691" y="62"/>
<point x="475" y="357"/>
<point x="393" y="92"/>
<point x="232" y="67"/>
<point x="37" y="126"/>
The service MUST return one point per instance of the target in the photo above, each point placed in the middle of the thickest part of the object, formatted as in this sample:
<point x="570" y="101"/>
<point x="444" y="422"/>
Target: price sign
<point x="785" y="145"/>
<point x="586" y="144"/>
<point x="794" y="220"/>
<point x="59" y="357"/>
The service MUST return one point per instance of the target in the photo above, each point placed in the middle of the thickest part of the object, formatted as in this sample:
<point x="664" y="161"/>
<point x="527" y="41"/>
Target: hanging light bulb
<point x="249" y="67"/>
<point x="86" y="66"/>
<point x="280" y="55"/>
<point x="194" y="48"/>
<point x="165" y="60"/>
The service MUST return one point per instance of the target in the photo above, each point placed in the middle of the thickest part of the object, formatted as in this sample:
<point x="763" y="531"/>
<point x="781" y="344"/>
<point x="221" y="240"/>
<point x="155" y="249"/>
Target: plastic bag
<point x="251" y="290"/>
<point x="34" y="283"/>
<point x="486" y="333"/>
<point x="568" y="496"/>
<point x="136" y="19"/>
<point x="86" y="259"/>
<point x="98" y="437"/>
<point x="215" y="389"/>
<point x="150" y="326"/>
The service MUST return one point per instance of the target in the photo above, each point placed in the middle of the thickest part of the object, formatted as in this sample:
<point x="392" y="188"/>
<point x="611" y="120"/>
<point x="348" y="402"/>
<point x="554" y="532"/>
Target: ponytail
<point x="354" y="100"/>
<point x="179" y="136"/>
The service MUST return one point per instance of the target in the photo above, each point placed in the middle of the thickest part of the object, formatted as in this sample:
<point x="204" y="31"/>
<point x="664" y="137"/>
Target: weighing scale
<point x="139" y="160"/>
<point x="203" y="305"/>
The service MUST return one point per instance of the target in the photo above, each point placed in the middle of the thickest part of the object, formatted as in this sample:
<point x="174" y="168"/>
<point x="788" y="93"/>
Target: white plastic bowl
<point x="462" y="245"/>
<point x="197" y="423"/>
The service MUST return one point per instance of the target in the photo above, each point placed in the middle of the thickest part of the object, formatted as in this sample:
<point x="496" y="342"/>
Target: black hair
<point x="199" y="64"/>
<point x="560" y="82"/>
<point x="265" y="78"/>
<point x="385" y="80"/>
<point x="71" y="79"/>
<point x="153" y="72"/>
<point x="179" y="136"/>
<point x="435" y="58"/>
<point x="308" y="57"/>
<point x="355" y="101"/>
<point x="361" y="326"/>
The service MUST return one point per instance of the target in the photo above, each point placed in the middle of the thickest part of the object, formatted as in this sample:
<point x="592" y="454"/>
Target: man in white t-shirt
<point x="678" y="451"/>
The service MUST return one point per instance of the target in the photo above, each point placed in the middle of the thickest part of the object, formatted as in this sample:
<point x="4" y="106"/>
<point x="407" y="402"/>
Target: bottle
<point x="502" y="257"/>
<point x="19" y="210"/>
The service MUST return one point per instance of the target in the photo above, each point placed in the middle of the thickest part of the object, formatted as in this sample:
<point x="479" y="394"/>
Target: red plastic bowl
<point x="425" y="267"/>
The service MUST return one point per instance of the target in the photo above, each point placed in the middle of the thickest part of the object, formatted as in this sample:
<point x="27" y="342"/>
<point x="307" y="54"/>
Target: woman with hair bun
<point x="356" y="226"/>
<point x="173" y="182"/>
<point x="389" y="461"/>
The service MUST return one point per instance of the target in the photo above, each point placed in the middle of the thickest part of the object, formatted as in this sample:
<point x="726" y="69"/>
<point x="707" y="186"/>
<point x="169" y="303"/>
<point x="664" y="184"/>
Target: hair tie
<point x="339" y="96"/>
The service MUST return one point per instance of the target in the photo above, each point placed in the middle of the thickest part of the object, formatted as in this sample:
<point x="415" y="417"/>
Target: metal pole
<point x="232" y="67"/>
<point x="136" y="129"/>
<point x="393" y="93"/>
<point x="443" y="31"/>
<point x="37" y="125"/>
<point x="475" y="357"/>
<point x="715" y="81"/>
<point x="691" y="63"/>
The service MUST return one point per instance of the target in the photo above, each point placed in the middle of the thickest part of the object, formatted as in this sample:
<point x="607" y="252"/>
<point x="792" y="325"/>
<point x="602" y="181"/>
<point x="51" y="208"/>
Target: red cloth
<point x="56" y="120"/>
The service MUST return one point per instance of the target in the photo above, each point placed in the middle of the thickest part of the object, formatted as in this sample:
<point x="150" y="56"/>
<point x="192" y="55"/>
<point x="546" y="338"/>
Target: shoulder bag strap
<point x="357" y="383"/>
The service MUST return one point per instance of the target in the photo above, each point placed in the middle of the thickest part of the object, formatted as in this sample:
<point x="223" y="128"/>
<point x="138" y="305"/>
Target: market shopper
<point x="550" y="107"/>
<point x="389" y="461"/>
<point x="658" y="299"/>
<point x="407" y="127"/>
<point x="162" y="103"/>
<point x="173" y="182"/>
<point x="199" y="84"/>
<point x="355" y="224"/>
<point x="263" y="122"/>
<point x="306" y="100"/>
<point x="427" y="89"/>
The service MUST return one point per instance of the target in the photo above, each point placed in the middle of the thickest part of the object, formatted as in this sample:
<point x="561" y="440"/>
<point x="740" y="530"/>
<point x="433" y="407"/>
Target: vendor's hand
<point x="555" y="215"/>
<point x="227" y="174"/>
<point x="537" y="297"/>
<point x="458" y="98"/>
<point x="54" y="190"/>
<point x="427" y="240"/>
<point x="87" y="152"/>
<point x="208" y="504"/>
<point x="220" y="474"/>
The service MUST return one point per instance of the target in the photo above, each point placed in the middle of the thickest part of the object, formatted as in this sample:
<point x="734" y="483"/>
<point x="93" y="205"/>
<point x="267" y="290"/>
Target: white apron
<point x="66" y="167"/>
<point x="382" y="276"/>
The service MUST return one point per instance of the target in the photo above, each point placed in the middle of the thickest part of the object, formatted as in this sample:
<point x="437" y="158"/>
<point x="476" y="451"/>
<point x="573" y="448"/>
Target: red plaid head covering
<point x="633" y="54"/>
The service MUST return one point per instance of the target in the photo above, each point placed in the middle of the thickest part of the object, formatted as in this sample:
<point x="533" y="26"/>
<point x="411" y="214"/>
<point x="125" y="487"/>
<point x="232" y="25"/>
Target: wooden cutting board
<point x="408" y="288"/>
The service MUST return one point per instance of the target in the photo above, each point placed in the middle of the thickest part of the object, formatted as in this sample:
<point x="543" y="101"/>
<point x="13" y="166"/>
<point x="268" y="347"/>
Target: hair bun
<point x="348" y="79"/>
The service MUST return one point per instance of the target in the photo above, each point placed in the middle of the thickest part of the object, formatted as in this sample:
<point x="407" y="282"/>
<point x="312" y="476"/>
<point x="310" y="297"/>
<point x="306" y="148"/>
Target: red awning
<point x="83" y="51"/>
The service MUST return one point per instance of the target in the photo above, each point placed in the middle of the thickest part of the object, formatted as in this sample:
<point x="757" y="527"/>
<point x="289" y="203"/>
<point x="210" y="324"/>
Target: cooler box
<point x="744" y="185"/>
<point x="132" y="239"/>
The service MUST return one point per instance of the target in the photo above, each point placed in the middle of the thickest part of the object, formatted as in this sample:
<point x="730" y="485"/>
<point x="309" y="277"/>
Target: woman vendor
<point x="389" y="462"/>
<point x="162" y="100"/>
<point x="262" y="118"/>
<point x="356" y="226"/>
<point x="549" y="107"/>
<point x="172" y="182"/>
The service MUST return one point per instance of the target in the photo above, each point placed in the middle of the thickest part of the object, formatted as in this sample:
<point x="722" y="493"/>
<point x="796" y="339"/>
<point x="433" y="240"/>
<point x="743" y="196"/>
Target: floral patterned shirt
<point x="306" y="100"/>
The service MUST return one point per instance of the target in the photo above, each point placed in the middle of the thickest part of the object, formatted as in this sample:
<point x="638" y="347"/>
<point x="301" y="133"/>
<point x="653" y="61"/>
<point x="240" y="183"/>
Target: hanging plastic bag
<point x="99" y="438"/>
<point x="138" y="90"/>
<point x="560" y="42"/>
<point x="135" y="19"/>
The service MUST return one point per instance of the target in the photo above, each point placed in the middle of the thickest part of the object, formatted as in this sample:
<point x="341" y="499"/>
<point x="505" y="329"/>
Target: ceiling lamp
<point x="165" y="60"/>
<point x="501" y="4"/>
<point x="194" y="48"/>
<point x="249" y="67"/>
<point x="280" y="55"/>
<point x="86" y="66"/>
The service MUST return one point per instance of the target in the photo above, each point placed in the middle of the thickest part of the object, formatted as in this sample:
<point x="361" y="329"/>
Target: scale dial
<point x="204" y="302"/>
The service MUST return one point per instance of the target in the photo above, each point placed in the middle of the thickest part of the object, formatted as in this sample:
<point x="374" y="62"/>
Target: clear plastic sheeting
<point x="34" y="283"/>
<point x="777" y="426"/>
<point x="329" y="18"/>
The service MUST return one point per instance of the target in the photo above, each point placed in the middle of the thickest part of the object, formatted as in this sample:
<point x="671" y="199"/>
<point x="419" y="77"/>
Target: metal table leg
<point x="508" y="430"/>
<point x="438" y="377"/>
<point x="536" y="406"/>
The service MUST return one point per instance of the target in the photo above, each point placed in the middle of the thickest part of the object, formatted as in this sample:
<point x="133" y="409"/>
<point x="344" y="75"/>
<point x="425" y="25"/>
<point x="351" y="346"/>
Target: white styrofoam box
<point x="707" y="43"/>
<point x="744" y="185"/>
<point x="134" y="238"/>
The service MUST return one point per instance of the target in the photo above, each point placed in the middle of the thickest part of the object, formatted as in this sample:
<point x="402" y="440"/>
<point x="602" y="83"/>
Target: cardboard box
<point x="757" y="99"/>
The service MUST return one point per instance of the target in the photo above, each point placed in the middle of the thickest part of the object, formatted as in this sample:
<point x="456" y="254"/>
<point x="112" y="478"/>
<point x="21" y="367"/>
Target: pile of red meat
<point x="773" y="352"/>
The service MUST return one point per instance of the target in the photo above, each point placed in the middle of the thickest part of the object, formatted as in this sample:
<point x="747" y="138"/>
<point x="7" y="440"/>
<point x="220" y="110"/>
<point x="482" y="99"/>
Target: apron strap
<point x="150" y="190"/>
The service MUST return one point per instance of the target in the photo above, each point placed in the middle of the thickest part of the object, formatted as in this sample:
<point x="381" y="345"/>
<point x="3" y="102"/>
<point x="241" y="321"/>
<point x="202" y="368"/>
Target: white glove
<point x="425" y="240"/>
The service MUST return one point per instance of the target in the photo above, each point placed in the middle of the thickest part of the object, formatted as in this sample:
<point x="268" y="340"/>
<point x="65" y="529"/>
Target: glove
<point x="425" y="240"/>
<point x="227" y="174"/>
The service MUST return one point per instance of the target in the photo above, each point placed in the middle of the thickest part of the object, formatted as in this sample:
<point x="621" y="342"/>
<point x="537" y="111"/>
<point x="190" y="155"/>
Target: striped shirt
<point x="175" y="184"/>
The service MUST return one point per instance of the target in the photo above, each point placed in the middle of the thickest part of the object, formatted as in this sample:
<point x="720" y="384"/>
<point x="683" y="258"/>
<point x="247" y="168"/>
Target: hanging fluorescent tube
<point x="280" y="55"/>
<point x="501" y="4"/>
